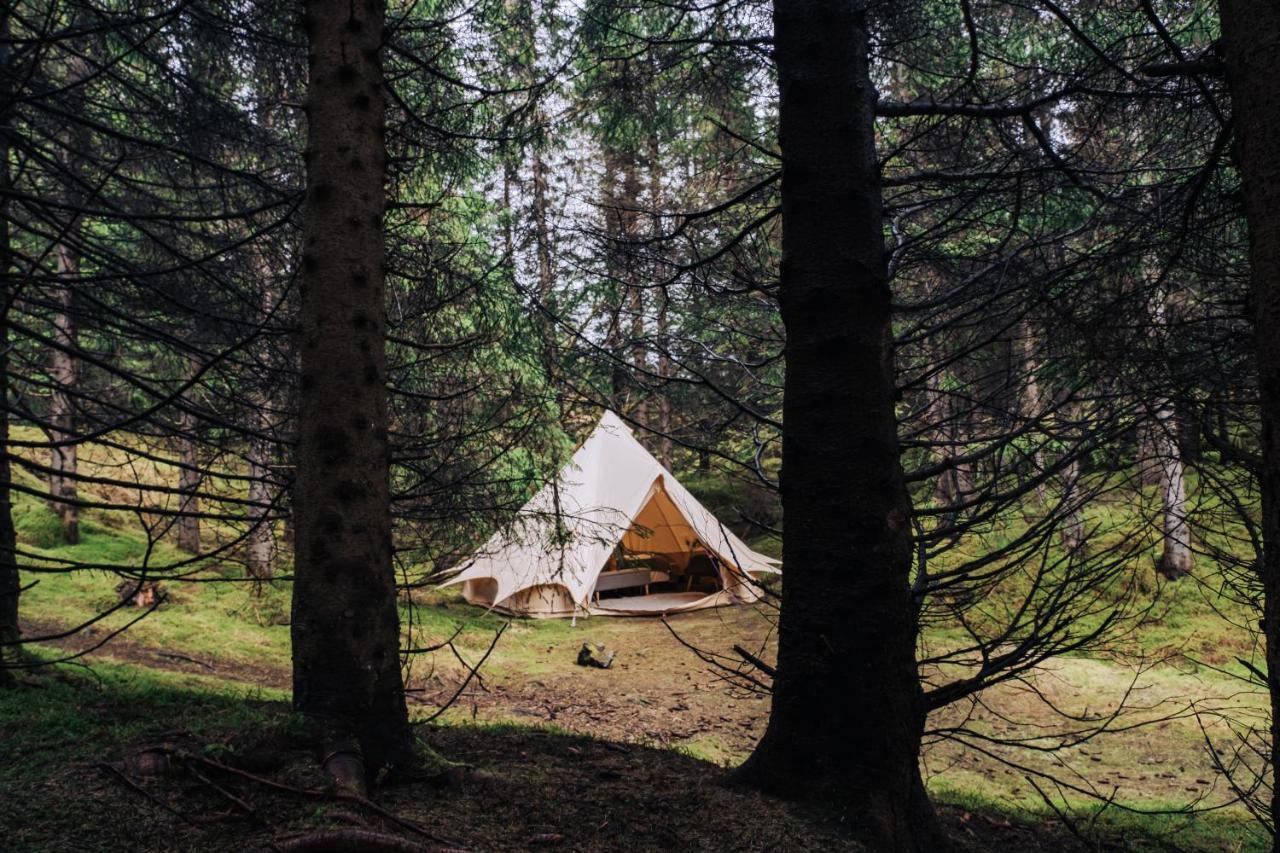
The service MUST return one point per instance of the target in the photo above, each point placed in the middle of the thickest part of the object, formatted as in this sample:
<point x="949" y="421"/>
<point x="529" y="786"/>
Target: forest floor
<point x="159" y="762"/>
<point x="556" y="756"/>
<point x="104" y="752"/>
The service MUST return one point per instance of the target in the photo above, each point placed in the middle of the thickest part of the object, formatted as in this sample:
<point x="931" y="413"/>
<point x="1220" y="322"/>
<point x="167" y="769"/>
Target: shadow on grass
<point x="497" y="787"/>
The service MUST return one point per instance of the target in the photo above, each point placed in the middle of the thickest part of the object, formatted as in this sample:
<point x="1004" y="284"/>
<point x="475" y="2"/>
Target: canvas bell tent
<point x="614" y="534"/>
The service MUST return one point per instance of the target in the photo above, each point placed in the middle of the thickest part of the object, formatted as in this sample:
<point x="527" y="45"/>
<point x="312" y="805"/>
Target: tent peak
<point x="612" y="419"/>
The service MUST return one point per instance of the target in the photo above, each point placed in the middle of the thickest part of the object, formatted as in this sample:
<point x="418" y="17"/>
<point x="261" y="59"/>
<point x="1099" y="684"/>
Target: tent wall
<point x="543" y="601"/>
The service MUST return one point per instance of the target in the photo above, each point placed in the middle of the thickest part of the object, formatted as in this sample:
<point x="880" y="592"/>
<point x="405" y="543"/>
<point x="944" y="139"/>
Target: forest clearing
<point x="478" y="425"/>
<point x="533" y="712"/>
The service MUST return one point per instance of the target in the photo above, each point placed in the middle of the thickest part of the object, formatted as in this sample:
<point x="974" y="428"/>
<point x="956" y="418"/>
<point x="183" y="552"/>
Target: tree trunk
<point x="634" y="300"/>
<point x="509" y="178"/>
<point x="260" y="545"/>
<point x="345" y="626"/>
<point x="1149" y="469"/>
<point x="1073" y="530"/>
<point x="260" y="549"/>
<point x="542" y="247"/>
<point x="662" y="402"/>
<point x="10" y="585"/>
<point x="62" y="361"/>
<point x="1031" y="400"/>
<point x="62" y="373"/>
<point x="1166" y="445"/>
<point x="847" y="710"/>
<point x="541" y="224"/>
<point x="1175" y="558"/>
<point x="954" y="485"/>
<point x="189" y="472"/>
<point x="615" y="228"/>
<point x="665" y="455"/>
<point x="1251" y="41"/>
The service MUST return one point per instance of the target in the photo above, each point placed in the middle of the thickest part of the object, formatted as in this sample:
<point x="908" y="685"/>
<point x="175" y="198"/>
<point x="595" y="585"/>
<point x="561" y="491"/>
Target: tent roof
<point x="598" y="496"/>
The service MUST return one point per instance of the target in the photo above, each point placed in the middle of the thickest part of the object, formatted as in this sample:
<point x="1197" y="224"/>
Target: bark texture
<point x="1251" y="42"/>
<point x="345" y="626"/>
<point x="847" y="709"/>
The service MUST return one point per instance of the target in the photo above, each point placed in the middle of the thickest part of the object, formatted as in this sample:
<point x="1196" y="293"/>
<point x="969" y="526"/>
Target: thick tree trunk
<point x="1165" y="443"/>
<point x="636" y="308"/>
<point x="847" y="709"/>
<point x="1251" y="41"/>
<point x="62" y="373"/>
<point x="10" y="586"/>
<point x="665" y="455"/>
<point x="1073" y="530"/>
<point x="189" y="478"/>
<point x="346" y="662"/>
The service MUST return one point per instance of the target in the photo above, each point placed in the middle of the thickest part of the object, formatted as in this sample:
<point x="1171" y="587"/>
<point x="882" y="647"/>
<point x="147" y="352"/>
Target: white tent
<point x="617" y="534"/>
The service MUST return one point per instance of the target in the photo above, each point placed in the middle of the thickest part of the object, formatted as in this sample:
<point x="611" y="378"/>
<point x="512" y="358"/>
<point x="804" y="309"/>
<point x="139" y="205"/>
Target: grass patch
<point x="69" y="715"/>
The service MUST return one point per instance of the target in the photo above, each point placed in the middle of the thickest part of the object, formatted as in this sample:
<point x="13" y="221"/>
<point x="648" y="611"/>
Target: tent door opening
<point x="659" y="555"/>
